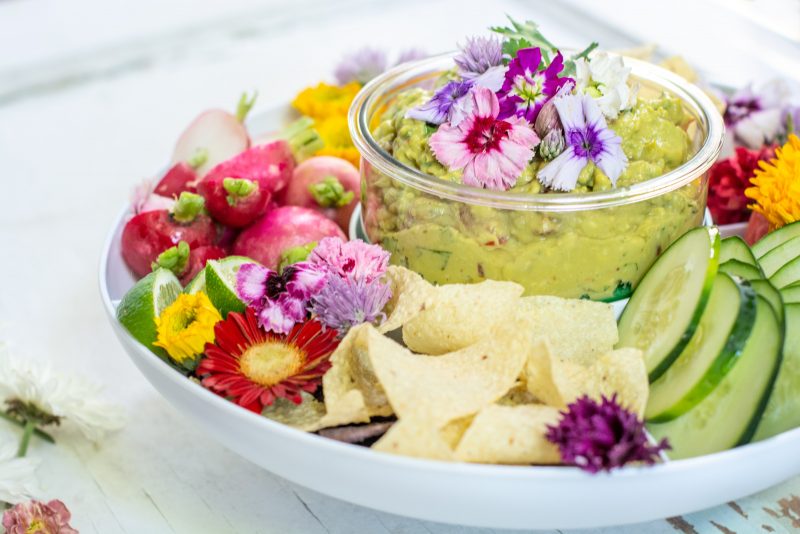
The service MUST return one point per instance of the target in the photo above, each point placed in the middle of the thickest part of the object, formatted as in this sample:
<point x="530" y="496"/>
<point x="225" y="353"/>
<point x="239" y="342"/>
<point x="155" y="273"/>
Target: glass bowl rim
<point x="702" y="106"/>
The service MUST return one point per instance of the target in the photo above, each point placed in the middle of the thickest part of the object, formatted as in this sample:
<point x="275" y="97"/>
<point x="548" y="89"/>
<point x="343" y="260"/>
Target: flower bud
<point x="547" y="119"/>
<point x="552" y="145"/>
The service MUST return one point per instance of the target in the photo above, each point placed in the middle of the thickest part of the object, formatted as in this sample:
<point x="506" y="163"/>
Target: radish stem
<point x="174" y="258"/>
<point x="238" y="188"/>
<point x="329" y="192"/>
<point x="245" y="105"/>
<point x="187" y="207"/>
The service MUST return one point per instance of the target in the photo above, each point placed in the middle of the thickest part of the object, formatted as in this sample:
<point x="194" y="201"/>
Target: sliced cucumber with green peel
<point x="734" y="248"/>
<point x="776" y="238"/>
<point x="220" y="278"/>
<point x="712" y="352"/>
<point x="664" y="311"/>
<point x="739" y="268"/>
<point x="786" y="275"/>
<point x="769" y="292"/>
<point x="791" y="294"/>
<point x="730" y="414"/>
<point x="779" y="256"/>
<point x="783" y="409"/>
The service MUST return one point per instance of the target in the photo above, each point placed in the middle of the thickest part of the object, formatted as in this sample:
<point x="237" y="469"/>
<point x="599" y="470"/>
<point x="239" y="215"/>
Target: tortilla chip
<point x="460" y="315"/>
<point x="623" y="372"/>
<point x="410" y="295"/>
<point x="304" y="416"/>
<point x="518" y="395"/>
<point x="412" y="437"/>
<point x="440" y="389"/>
<point x="453" y="431"/>
<point x="579" y="330"/>
<point x="510" y="435"/>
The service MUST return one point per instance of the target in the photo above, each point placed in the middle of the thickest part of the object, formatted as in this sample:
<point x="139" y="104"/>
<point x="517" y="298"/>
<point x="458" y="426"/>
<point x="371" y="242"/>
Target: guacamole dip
<point x="598" y="254"/>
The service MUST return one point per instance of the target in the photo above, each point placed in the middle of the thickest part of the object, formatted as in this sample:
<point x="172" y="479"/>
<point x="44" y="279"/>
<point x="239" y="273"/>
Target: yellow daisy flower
<point x="185" y="327"/>
<point x="335" y="133"/>
<point x="776" y="186"/>
<point x="326" y="100"/>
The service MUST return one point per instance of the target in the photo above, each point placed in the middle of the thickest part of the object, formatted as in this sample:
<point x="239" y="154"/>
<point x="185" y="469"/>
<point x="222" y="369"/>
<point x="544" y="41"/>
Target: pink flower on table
<point x="280" y="300"/>
<point x="491" y="152"/>
<point x="588" y="138"/>
<point x="526" y="88"/>
<point x="36" y="517"/>
<point x="352" y="259"/>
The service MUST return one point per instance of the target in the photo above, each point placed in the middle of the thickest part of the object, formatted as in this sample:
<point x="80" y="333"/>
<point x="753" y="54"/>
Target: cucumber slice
<point x="734" y="248"/>
<point x="773" y="296"/>
<point x="664" y="311"/>
<point x="713" y="350"/>
<point x="729" y="416"/>
<point x="783" y="409"/>
<point x="779" y="256"/>
<point x="786" y="275"/>
<point x="776" y="238"/>
<point x="791" y="294"/>
<point x="738" y="268"/>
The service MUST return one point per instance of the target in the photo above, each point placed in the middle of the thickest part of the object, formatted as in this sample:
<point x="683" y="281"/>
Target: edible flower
<point x="491" y="152"/>
<point x="185" y="326"/>
<point x="588" y="139"/>
<point x="335" y="134"/>
<point x="755" y="116"/>
<point x="728" y="180"/>
<point x="776" y="185"/>
<point x="480" y="59"/>
<point x="450" y="103"/>
<point x="361" y="66"/>
<point x="253" y="367"/>
<point x="280" y="300"/>
<point x="325" y="100"/>
<point x="605" y="78"/>
<point x="526" y="88"/>
<point x="600" y="436"/>
<point x="354" y="259"/>
<point x="17" y="480"/>
<point x="345" y="302"/>
<point x="36" y="517"/>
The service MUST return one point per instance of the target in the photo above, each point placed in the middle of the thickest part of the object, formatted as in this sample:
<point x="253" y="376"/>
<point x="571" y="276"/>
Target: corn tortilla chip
<point x="413" y="437"/>
<point x="304" y="416"/>
<point x="410" y="295"/>
<point x="510" y="435"/>
<point x="440" y="389"/>
<point x="576" y="329"/>
<point x="460" y="315"/>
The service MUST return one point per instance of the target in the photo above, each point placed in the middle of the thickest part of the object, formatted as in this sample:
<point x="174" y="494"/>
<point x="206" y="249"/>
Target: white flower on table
<point x="17" y="480"/>
<point x="605" y="78"/>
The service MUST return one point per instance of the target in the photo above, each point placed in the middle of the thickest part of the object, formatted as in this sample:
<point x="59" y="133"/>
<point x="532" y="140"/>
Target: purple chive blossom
<point x="361" y="66"/>
<point x="481" y="59"/>
<point x="410" y="54"/>
<point x="449" y="104"/>
<point x="352" y="259"/>
<point x="280" y="300"/>
<point x="526" y="88"/>
<point x="345" y="302"/>
<point x="588" y="138"/>
<point x="600" y="436"/>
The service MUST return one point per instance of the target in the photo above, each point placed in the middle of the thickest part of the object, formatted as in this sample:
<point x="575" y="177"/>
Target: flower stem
<point x="41" y="434"/>
<point x="30" y="426"/>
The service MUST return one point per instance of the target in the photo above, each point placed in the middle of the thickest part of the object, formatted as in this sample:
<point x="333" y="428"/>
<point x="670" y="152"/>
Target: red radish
<point x="757" y="227"/>
<point x="185" y="261"/>
<point x="182" y="176"/>
<point x="328" y="184"/>
<point x="148" y="234"/>
<point x="220" y="133"/>
<point x="281" y="229"/>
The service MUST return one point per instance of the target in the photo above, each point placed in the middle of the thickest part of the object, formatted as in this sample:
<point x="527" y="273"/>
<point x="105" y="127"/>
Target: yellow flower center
<point x="776" y="186"/>
<point x="186" y="325"/>
<point x="36" y="526"/>
<point x="271" y="362"/>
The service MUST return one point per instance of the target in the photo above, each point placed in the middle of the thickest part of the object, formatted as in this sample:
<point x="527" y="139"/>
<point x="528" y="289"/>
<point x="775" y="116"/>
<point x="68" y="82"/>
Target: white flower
<point x="68" y="397"/>
<point x="17" y="480"/>
<point x="605" y="78"/>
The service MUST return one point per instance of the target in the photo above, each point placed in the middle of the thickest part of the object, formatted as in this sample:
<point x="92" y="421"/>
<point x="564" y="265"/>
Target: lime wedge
<point x="220" y="282"/>
<point x="197" y="284"/>
<point x="144" y="302"/>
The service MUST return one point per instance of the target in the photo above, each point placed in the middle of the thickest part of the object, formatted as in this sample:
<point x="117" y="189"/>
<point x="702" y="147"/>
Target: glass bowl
<point x="592" y="245"/>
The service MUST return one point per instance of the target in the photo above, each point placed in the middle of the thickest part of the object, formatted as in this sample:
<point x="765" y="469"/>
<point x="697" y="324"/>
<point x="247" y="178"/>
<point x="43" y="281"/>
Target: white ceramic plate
<point x="467" y="494"/>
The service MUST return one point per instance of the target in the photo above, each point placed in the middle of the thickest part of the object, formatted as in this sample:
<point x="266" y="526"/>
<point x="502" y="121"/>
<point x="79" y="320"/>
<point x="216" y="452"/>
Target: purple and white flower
<point x="481" y="60"/>
<point x="345" y="302"/>
<point x="351" y="259"/>
<point x="756" y="115"/>
<point x="526" y="88"/>
<point x="279" y="299"/>
<point x="361" y="66"/>
<point x="588" y="139"/>
<point x="449" y="104"/>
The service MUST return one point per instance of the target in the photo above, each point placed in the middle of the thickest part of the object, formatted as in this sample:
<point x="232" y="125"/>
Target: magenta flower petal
<point x="526" y="88"/>
<point x="251" y="282"/>
<point x="354" y="259"/>
<point x="303" y="279"/>
<point x="276" y="316"/>
<point x="36" y="516"/>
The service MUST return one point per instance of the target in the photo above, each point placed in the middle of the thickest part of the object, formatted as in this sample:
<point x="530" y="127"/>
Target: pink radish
<point x="185" y="261"/>
<point x="220" y="133"/>
<point x="328" y="184"/>
<point x="182" y="176"/>
<point x="281" y="229"/>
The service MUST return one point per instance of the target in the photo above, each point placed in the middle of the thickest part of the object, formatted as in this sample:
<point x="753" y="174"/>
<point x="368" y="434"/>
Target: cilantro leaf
<point x="569" y="64"/>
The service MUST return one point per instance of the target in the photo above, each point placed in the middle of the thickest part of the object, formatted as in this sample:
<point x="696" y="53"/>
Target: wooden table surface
<point x="92" y="96"/>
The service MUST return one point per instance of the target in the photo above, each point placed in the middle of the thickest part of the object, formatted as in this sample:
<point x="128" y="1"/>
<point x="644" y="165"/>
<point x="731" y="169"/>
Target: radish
<point x="185" y="261"/>
<point x="182" y="176"/>
<point x="150" y="233"/>
<point x="220" y="133"/>
<point x="281" y="229"/>
<point x="328" y="184"/>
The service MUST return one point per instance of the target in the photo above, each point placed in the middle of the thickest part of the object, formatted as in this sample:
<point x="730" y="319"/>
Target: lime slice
<point x="220" y="282"/>
<point x="197" y="284"/>
<point x="144" y="302"/>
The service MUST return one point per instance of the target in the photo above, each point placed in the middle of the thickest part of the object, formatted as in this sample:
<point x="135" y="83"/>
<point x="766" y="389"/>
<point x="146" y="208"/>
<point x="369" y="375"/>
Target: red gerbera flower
<point x="253" y="367"/>
<point x="727" y="181"/>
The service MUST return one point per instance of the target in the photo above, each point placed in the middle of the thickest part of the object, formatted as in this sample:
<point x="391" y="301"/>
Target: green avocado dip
<point x="597" y="254"/>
